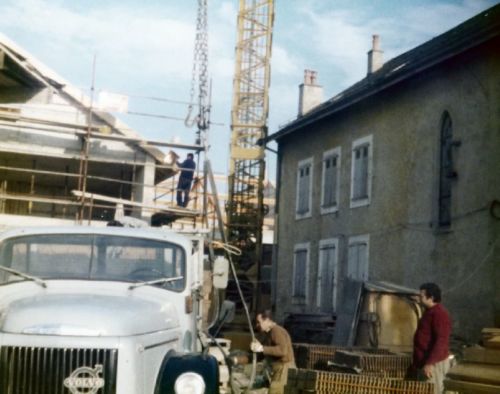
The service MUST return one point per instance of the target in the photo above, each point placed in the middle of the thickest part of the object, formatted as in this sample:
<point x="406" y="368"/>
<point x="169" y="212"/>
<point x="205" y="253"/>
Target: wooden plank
<point x="491" y="330"/>
<point x="347" y="314"/>
<point x="36" y="198"/>
<point x="493" y="343"/>
<point x="473" y="372"/>
<point x="481" y="355"/>
<point x="470" y="387"/>
<point x="100" y="197"/>
<point x="491" y="337"/>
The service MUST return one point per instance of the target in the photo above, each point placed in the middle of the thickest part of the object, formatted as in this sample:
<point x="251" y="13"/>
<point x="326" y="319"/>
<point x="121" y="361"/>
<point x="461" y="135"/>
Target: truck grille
<point x="32" y="370"/>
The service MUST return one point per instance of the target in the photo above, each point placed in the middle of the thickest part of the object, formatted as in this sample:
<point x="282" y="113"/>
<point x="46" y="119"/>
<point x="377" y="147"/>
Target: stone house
<point x="397" y="179"/>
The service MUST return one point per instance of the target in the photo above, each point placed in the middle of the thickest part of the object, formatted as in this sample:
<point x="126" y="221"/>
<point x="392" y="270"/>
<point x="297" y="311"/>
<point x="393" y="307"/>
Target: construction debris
<point x="491" y="337"/>
<point x="320" y="382"/>
<point x="382" y="365"/>
<point x="479" y="371"/>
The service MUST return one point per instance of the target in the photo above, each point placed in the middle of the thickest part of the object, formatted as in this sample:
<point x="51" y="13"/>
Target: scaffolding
<point x="40" y="180"/>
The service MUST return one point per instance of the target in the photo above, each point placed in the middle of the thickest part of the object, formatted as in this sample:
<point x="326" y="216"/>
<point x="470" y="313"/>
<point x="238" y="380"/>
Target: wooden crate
<point x="321" y="382"/>
<point x="383" y="365"/>
<point x="312" y="356"/>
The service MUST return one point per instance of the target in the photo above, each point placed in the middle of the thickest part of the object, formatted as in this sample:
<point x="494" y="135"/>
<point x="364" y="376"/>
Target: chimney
<point x="375" y="56"/>
<point x="310" y="94"/>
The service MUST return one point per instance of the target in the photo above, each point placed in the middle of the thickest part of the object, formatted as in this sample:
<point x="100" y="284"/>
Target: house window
<point x="446" y="171"/>
<point x="357" y="261"/>
<point x="300" y="273"/>
<point x="304" y="188"/>
<point x="361" y="170"/>
<point x="327" y="275"/>
<point x="330" y="181"/>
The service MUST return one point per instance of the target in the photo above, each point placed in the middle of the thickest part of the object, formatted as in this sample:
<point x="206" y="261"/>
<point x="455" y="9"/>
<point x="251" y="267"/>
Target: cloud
<point x="340" y="42"/>
<point x="342" y="37"/>
<point x="147" y="48"/>
<point x="124" y="37"/>
<point x="283" y="62"/>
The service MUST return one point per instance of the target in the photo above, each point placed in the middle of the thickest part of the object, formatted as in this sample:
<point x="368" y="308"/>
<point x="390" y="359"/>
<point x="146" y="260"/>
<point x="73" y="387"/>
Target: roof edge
<point x="379" y="81"/>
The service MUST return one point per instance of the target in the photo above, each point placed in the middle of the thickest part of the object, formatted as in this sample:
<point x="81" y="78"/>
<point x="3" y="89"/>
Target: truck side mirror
<point x="221" y="272"/>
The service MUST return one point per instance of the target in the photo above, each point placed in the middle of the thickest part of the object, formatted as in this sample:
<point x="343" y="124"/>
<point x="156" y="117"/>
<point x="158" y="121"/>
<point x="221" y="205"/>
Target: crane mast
<point x="250" y="106"/>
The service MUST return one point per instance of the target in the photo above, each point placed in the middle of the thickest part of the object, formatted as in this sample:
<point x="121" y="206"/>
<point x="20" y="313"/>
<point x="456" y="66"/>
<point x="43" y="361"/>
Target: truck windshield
<point x="93" y="257"/>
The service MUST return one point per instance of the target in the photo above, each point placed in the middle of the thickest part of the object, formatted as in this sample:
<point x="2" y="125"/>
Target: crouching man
<point x="277" y="349"/>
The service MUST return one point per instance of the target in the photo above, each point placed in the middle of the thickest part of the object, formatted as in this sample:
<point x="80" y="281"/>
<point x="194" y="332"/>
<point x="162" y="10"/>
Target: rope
<point x="231" y="249"/>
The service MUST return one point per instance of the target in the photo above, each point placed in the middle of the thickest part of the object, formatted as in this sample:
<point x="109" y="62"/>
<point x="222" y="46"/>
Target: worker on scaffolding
<point x="185" y="179"/>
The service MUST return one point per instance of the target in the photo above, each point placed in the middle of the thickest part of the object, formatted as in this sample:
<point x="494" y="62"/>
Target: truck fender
<point x="174" y="364"/>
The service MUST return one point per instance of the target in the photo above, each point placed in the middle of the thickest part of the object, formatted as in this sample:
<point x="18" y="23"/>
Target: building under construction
<point x="63" y="158"/>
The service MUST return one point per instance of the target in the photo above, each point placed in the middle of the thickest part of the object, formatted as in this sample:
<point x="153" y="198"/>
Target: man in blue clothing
<point x="185" y="179"/>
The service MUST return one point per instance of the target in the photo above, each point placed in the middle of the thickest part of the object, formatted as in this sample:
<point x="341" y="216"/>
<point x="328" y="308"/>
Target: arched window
<point x="446" y="171"/>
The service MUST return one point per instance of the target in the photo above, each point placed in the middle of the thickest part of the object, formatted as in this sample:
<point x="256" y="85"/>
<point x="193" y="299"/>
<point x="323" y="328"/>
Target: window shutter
<point x="303" y="184"/>
<point x="352" y="262"/>
<point x="300" y="274"/>
<point x="330" y="181"/>
<point x="363" y="190"/>
<point x="326" y="278"/>
<point x="357" y="267"/>
<point x="334" y="181"/>
<point x="356" y="180"/>
<point x="360" y="180"/>
<point x="362" y="262"/>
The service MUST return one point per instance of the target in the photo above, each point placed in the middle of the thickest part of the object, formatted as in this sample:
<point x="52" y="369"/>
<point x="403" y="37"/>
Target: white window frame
<point x="302" y="163"/>
<point x="368" y="140"/>
<point x="307" y="247"/>
<point x="356" y="240"/>
<point x="322" y="244"/>
<point x="335" y="152"/>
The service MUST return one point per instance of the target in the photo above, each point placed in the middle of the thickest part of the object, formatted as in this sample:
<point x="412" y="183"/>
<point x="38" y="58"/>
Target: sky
<point x="144" y="48"/>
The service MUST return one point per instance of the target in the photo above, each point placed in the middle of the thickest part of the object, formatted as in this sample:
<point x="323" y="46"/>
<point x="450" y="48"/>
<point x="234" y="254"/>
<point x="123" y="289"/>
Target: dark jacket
<point x="187" y="169"/>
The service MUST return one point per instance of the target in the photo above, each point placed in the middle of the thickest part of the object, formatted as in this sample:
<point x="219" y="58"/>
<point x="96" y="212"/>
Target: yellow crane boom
<point x="249" y="114"/>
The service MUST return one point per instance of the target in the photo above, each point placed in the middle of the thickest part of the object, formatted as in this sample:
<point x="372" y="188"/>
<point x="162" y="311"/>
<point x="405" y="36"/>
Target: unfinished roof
<point x="19" y="69"/>
<point x="473" y="32"/>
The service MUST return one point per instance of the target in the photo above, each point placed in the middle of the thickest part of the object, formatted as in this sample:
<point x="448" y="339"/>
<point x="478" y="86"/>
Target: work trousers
<point x="439" y="371"/>
<point x="280" y="376"/>
<point x="183" y="188"/>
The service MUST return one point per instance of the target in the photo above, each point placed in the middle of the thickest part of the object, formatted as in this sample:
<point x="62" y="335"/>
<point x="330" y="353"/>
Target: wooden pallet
<point x="479" y="371"/>
<point x="312" y="356"/>
<point x="383" y="365"/>
<point x="321" y="382"/>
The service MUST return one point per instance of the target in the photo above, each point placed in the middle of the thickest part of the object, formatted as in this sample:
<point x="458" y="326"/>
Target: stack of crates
<point x="312" y="356"/>
<point x="321" y="382"/>
<point x="369" y="364"/>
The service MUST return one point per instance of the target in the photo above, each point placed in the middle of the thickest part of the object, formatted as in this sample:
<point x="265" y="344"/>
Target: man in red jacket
<point x="430" y="344"/>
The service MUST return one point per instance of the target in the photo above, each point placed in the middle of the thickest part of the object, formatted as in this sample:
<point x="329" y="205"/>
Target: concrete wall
<point x="406" y="245"/>
<point x="42" y="139"/>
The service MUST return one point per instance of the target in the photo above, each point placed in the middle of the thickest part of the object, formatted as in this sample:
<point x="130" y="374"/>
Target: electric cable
<point x="231" y="265"/>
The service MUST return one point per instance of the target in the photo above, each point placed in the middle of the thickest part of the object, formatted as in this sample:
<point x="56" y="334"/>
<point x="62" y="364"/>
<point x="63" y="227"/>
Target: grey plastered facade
<point x="403" y="114"/>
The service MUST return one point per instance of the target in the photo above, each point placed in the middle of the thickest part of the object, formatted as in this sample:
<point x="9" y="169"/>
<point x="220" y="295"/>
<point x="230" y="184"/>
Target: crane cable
<point x="229" y="251"/>
<point x="200" y="70"/>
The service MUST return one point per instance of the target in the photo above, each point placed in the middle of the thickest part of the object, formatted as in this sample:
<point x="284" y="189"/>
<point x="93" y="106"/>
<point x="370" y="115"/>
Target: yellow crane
<point x="245" y="209"/>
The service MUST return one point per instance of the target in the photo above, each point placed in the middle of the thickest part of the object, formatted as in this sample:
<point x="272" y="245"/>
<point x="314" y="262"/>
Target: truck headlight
<point x="189" y="383"/>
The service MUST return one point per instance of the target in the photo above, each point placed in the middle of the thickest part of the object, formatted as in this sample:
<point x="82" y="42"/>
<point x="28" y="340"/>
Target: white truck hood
<point x="87" y="315"/>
